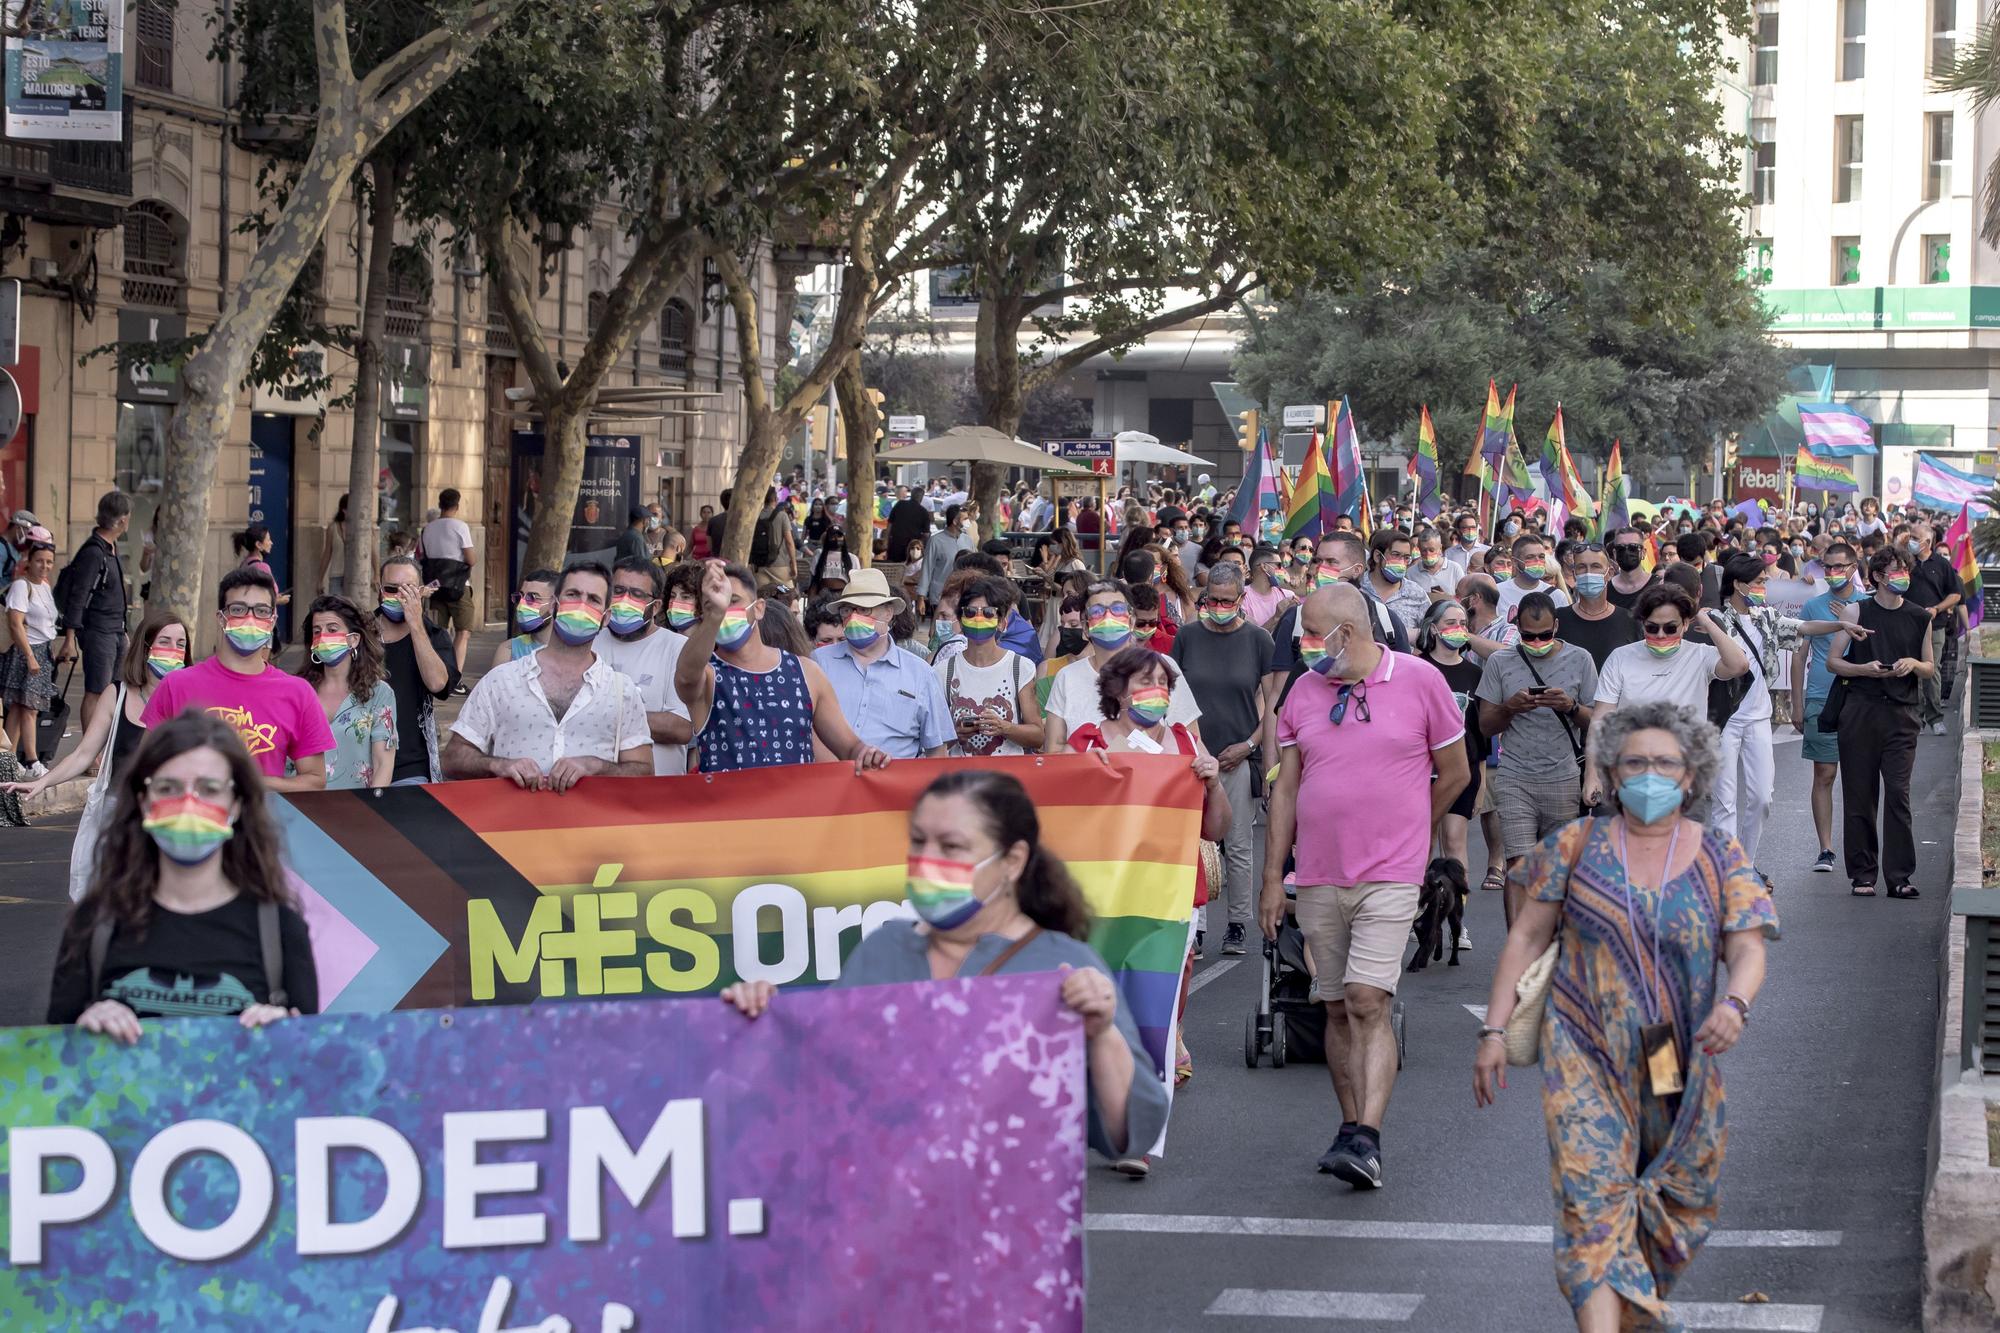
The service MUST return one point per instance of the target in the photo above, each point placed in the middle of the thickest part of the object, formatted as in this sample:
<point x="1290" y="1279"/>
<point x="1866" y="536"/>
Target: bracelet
<point x="1485" y="1032"/>
<point x="1740" y="1005"/>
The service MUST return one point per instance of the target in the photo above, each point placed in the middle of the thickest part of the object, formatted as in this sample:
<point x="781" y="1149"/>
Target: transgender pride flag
<point x="1942" y="486"/>
<point x="1834" y="431"/>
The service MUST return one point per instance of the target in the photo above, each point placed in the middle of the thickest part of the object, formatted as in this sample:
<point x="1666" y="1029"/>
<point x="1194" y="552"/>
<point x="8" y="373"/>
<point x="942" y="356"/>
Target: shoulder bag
<point x="1837" y="693"/>
<point x="1726" y="696"/>
<point x="89" y="824"/>
<point x="1575" y="742"/>
<point x="270" y="946"/>
<point x="1531" y="997"/>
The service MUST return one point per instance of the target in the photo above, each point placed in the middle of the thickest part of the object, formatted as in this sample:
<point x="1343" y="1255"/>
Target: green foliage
<point x="1617" y="369"/>
<point x="1976" y="72"/>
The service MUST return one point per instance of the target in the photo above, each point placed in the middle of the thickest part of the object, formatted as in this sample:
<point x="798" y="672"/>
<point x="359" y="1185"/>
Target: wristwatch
<point x="1487" y="1030"/>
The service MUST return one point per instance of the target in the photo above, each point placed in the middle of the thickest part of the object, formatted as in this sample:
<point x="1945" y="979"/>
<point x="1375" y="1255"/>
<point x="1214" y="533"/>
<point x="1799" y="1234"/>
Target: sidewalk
<point x="69" y="796"/>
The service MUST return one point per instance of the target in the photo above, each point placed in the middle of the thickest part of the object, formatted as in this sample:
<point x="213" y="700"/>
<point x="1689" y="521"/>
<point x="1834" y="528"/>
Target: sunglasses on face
<point x="1154" y="623"/>
<point x="1537" y="635"/>
<point x="1658" y="630"/>
<point x="1628" y="546"/>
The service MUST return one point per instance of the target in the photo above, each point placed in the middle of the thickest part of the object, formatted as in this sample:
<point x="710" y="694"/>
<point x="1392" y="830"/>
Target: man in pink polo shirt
<point x="1362" y="849"/>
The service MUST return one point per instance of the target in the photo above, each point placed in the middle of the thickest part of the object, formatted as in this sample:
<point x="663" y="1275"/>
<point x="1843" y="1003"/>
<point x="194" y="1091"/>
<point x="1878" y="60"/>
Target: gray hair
<point x="1699" y="742"/>
<point x="1224" y="573"/>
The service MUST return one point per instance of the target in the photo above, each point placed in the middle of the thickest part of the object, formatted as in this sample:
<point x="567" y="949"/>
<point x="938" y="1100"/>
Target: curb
<point x="63" y="799"/>
<point x="1961" y="1213"/>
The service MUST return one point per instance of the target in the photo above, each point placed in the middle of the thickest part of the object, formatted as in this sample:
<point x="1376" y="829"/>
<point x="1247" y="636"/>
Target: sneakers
<point x="1343" y="1143"/>
<point x="1937" y="728"/>
<point x="1824" y="865"/>
<point x="1138" y="1168"/>
<point x="1200" y="938"/>
<point x="1233" y="941"/>
<point x="1464" y="939"/>
<point x="1356" y="1159"/>
<point x="38" y="769"/>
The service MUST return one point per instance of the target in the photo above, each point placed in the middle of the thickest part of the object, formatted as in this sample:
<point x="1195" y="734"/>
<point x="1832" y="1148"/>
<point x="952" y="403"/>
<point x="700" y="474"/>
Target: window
<point x="1763" y="161"/>
<point x="1937" y="155"/>
<point x="1937" y="259"/>
<point x="155" y="258"/>
<point x="1846" y="260"/>
<point x="1764" y="41"/>
<point x="1853" y="39"/>
<point x="1944" y="36"/>
<point x="499" y="334"/>
<point x="676" y="329"/>
<point x="154" y="22"/>
<point x="1847" y="159"/>
<point x="1757" y="261"/>
<point x="409" y="298"/>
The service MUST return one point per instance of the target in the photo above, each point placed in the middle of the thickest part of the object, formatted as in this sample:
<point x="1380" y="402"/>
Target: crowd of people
<point x="1601" y="704"/>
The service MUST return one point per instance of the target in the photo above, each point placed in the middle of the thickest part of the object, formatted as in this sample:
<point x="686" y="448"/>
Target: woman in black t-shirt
<point x="175" y="922"/>
<point x="1441" y="638"/>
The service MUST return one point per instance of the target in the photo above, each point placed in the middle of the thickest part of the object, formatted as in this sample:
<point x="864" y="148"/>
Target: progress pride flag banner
<point x="884" y="1157"/>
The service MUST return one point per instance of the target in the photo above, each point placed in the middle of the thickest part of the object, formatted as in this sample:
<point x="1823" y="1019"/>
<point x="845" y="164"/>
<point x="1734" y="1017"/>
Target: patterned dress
<point x="1635" y="1176"/>
<point x="759" y="719"/>
<point x="357" y="729"/>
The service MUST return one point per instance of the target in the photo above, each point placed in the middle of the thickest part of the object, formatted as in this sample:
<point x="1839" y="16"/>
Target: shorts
<point x="103" y="649"/>
<point x="1356" y="934"/>
<point x="461" y="615"/>
<point x="1467" y="804"/>
<point x="1532" y="808"/>
<point x="1821" y="747"/>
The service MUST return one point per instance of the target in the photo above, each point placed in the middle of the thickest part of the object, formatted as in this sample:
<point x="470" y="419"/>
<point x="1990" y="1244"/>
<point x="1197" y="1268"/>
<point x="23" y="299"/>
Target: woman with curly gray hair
<point x="1641" y="904"/>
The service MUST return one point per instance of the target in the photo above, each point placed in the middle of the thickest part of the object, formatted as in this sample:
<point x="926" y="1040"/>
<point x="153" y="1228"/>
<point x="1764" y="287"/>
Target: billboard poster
<point x="65" y="71"/>
<point x="609" y="491"/>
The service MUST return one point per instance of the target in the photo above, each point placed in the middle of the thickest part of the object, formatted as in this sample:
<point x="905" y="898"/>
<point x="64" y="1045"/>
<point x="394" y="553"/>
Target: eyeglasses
<point x="1537" y="636"/>
<point x="1154" y="623"/>
<point x="1574" y="547"/>
<point x="1107" y="609"/>
<point x="243" y="610"/>
<point x="172" y="789"/>
<point x="1666" y="765"/>
<point x="1357" y="694"/>
<point x="1655" y="630"/>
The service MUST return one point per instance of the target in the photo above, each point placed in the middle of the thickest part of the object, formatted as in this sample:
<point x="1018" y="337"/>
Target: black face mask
<point x="1070" y="642"/>
<point x="1628" y="560"/>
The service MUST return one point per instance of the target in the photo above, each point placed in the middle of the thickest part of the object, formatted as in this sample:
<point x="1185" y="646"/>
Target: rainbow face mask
<point x="1756" y="597"/>
<point x="1312" y="652"/>
<point x="1395" y="570"/>
<point x="577" y="622"/>
<point x="1325" y="576"/>
<point x="187" y="829"/>
<point x="1839" y="582"/>
<point x="391" y="607"/>
<point x="734" y="629"/>
<point x="246" y="635"/>
<point x="1663" y="647"/>
<point x="165" y="657"/>
<point x="1219" y="616"/>
<point x="941" y="890"/>
<point x="330" y="649"/>
<point x="979" y="628"/>
<point x="681" y="613"/>
<point x="1537" y="570"/>
<point x="1898" y="582"/>
<point x="860" y="631"/>
<point x="1110" y="629"/>
<point x="1148" y="704"/>
<point x="626" y="617"/>
<point x="1455" y="638"/>
<point x="529" y="617"/>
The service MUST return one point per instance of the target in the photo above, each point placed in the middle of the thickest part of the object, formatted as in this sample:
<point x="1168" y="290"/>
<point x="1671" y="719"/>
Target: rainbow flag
<point x="467" y="893"/>
<point x="1823" y="474"/>
<point x="1310" y="511"/>
<point x="1616" y="503"/>
<point x="1259" y="489"/>
<point x="1480" y="470"/>
<point x="1424" y="466"/>
<point x="1499" y="424"/>
<point x="1559" y="474"/>
<point x="1350" y="484"/>
<point x="1958" y="544"/>
<point x="1514" y="477"/>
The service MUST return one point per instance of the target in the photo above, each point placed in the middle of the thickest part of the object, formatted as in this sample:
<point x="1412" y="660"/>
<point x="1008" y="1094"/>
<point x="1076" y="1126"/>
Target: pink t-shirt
<point x="1351" y="832"/>
<point x="277" y="715"/>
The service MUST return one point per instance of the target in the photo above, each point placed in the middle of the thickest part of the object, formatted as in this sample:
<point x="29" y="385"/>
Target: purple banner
<point x="882" y="1157"/>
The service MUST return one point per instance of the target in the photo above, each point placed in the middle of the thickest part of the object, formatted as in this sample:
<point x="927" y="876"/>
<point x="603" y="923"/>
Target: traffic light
<point x="1729" y="451"/>
<point x="1939" y="267"/>
<point x="1850" y="263"/>
<point x="1246" y="430"/>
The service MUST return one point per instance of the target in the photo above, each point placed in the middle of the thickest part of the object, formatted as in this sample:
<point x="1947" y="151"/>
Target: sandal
<point x="1903" y="891"/>
<point x="1495" y="881"/>
<point x="1863" y="890"/>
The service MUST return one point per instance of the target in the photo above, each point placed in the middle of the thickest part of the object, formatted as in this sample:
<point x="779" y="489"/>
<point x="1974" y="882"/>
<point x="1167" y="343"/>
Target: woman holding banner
<point x="188" y="912"/>
<point x="992" y="899"/>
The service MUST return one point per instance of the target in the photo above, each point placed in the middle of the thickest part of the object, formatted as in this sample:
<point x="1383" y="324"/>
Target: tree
<point x="354" y="113"/>
<point x="1976" y="72"/>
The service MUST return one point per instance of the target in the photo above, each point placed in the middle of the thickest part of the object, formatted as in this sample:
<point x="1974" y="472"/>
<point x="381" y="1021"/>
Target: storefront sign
<point x="625" y="1168"/>
<point x="1759" y="479"/>
<point x="302" y="393"/>
<point x="153" y="376"/>
<point x="1101" y="455"/>
<point x="66" y="71"/>
<point x="406" y="373"/>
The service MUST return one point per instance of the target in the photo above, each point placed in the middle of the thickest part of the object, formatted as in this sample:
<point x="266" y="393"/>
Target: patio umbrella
<point x="979" y="444"/>
<point x="1135" y="446"/>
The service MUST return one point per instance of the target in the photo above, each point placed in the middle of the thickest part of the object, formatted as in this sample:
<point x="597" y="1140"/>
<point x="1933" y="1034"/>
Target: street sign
<point x="1102" y="455"/>
<point x="1305" y="416"/>
<point x="1075" y="488"/>
<point x="909" y="425"/>
<point x="10" y="407"/>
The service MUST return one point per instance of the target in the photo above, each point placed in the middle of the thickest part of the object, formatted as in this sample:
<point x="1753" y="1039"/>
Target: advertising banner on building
<point x="473" y="893"/>
<point x="1759" y="479"/>
<point x="406" y="376"/>
<point x="153" y="376"/>
<point x="610" y="491"/>
<point x="885" y="1157"/>
<point x="66" y="69"/>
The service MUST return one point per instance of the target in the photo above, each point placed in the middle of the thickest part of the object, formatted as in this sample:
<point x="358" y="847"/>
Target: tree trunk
<point x="863" y="419"/>
<point x="565" y="431"/>
<point x="364" y="459"/>
<point x="996" y="378"/>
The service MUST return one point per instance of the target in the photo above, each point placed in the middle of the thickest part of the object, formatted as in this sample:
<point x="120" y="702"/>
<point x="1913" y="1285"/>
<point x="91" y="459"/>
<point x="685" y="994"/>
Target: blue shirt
<point x="1823" y="607"/>
<point x="894" y="703"/>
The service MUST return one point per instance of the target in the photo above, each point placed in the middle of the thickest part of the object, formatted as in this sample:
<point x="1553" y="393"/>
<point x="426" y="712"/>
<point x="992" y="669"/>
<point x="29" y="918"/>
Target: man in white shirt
<point x="1467" y="545"/>
<point x="557" y="716"/>
<point x="1531" y="574"/>
<point x="1073" y="696"/>
<point x="444" y="545"/>
<point x="635" y="643"/>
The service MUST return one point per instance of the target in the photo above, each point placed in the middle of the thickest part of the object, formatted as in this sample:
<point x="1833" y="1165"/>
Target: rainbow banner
<point x="1616" y="504"/>
<point x="1424" y="466"/>
<point x="476" y="893"/>
<point x="1822" y="474"/>
<point x="1497" y="428"/>
<point x="1958" y="547"/>
<point x="1309" y="508"/>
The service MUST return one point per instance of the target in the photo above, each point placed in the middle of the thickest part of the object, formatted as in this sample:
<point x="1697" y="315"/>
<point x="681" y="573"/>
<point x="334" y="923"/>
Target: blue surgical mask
<point x="1590" y="586"/>
<point x="1650" y="797"/>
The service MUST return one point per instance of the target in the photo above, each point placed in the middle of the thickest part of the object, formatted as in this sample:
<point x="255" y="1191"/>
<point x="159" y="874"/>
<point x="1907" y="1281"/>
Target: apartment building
<point x="1863" y="227"/>
<point x="138" y="241"/>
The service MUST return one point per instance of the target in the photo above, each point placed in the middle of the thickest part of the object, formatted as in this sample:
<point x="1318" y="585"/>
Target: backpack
<point x="760" y="541"/>
<point x="65" y="581"/>
<point x="268" y="941"/>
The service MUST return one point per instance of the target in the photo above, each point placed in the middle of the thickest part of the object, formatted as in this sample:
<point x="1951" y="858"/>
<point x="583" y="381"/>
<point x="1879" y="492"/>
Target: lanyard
<point x="1647" y="992"/>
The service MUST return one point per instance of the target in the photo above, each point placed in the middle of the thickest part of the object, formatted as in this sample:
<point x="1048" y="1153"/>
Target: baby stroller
<point x="1286" y="1021"/>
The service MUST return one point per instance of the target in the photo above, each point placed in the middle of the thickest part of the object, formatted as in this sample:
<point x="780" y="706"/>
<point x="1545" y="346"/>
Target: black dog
<point x="1440" y="909"/>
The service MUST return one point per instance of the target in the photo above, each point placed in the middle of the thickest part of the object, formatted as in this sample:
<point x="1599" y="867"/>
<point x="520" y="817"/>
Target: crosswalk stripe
<point x="1210" y="973"/>
<point x="1390" y="1306"/>
<point x="1329" y="1228"/>
<point x="1721" y="1314"/>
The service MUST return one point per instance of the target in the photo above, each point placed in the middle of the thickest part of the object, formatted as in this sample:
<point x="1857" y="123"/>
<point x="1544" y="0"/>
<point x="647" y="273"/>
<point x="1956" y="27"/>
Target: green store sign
<point x="1861" y="309"/>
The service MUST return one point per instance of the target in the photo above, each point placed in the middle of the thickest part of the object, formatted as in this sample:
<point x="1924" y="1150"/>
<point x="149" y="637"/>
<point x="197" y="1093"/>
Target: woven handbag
<point x="1531" y="997"/>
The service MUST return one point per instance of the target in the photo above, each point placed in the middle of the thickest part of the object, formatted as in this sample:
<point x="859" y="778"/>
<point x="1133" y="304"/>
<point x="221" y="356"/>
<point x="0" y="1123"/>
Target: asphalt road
<point x="1829" y="1100"/>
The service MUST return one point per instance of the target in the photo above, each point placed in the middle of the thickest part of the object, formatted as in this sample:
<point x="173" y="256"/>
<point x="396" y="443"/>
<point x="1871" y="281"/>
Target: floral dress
<point x="1635" y="1175"/>
<point x="357" y="729"/>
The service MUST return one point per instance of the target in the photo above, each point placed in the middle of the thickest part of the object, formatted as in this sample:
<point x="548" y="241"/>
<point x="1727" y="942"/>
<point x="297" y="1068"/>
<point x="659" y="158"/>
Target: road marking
<point x="1719" y="1314"/>
<point x="1478" y="1011"/>
<point x="1392" y="1306"/>
<point x="1328" y="1228"/>
<point x="1208" y="974"/>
